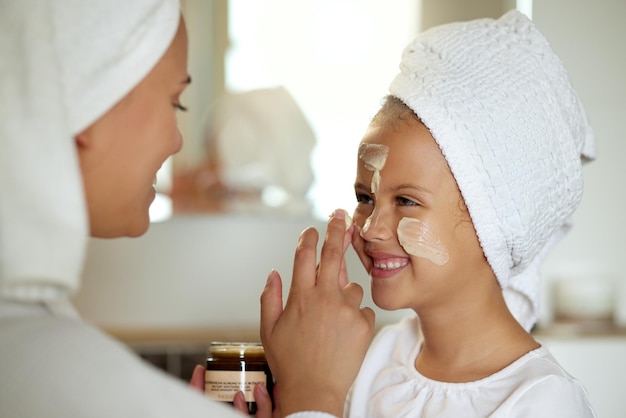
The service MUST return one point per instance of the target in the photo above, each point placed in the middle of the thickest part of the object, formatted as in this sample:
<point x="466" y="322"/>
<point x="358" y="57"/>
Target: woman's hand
<point x="316" y="344"/>
<point x="197" y="378"/>
<point x="347" y="240"/>
<point x="263" y="402"/>
<point x="261" y="396"/>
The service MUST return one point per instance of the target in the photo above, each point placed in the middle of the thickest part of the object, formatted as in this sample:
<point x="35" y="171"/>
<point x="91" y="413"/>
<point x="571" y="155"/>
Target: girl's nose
<point x="377" y="227"/>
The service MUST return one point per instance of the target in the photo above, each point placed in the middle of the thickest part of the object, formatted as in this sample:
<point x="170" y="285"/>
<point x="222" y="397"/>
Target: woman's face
<point x="414" y="235"/>
<point x="122" y="151"/>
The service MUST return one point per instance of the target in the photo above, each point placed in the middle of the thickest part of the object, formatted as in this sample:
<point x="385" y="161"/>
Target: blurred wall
<point x="196" y="272"/>
<point x="588" y="36"/>
<point x="436" y="12"/>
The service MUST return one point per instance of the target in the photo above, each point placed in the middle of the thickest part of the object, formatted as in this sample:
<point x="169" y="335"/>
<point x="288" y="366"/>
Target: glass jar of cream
<point x="236" y="366"/>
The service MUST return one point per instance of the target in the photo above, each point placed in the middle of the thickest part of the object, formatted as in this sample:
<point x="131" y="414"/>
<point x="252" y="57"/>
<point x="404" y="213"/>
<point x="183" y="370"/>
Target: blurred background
<point x="282" y="92"/>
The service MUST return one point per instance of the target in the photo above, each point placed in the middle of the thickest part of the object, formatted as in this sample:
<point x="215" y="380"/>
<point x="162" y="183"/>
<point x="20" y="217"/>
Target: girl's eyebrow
<point x="360" y="186"/>
<point x="414" y="187"/>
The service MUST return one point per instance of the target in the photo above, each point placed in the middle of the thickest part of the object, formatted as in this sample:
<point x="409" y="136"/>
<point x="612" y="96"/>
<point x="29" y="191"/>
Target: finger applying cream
<point x="419" y="240"/>
<point x="347" y="218"/>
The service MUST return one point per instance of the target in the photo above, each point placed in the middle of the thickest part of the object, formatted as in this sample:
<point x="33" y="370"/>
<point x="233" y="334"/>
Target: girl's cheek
<point x="361" y="213"/>
<point x="419" y="240"/>
<point x="357" y="240"/>
<point x="366" y="226"/>
<point x="360" y="219"/>
<point x="357" y="221"/>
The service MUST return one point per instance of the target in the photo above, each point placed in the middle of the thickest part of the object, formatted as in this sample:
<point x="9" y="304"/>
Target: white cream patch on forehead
<point x="419" y="240"/>
<point x="374" y="157"/>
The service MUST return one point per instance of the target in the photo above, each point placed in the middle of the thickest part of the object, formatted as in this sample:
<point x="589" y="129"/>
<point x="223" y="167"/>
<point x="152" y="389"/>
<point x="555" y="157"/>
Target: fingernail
<point x="339" y="214"/>
<point x="262" y="388"/>
<point x="342" y="214"/>
<point x="239" y="399"/>
<point x="270" y="277"/>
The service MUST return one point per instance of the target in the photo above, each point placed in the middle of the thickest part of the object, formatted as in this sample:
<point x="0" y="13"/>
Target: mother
<point x="88" y="95"/>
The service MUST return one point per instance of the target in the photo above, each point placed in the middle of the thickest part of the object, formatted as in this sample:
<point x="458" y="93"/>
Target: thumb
<point x="197" y="378"/>
<point x="271" y="303"/>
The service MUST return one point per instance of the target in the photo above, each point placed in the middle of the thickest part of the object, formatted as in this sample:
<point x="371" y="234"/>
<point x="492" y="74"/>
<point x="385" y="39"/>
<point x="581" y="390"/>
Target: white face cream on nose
<point x="419" y="240"/>
<point x="374" y="157"/>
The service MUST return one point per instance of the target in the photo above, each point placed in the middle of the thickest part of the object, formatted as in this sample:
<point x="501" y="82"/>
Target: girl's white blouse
<point x="389" y="385"/>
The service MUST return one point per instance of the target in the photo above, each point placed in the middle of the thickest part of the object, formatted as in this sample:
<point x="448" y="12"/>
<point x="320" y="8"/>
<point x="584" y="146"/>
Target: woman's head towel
<point x="499" y="103"/>
<point x="64" y="64"/>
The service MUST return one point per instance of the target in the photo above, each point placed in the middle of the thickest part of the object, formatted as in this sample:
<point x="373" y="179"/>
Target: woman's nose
<point x="177" y="145"/>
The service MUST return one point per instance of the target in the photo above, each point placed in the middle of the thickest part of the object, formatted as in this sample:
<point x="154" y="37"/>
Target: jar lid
<point x="236" y="349"/>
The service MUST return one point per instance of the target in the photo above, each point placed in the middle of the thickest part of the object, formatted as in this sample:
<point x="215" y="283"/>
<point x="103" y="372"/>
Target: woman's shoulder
<point x="81" y="369"/>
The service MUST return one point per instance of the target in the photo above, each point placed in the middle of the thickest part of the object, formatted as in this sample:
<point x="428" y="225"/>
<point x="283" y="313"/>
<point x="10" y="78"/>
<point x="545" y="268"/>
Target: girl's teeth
<point x="389" y="266"/>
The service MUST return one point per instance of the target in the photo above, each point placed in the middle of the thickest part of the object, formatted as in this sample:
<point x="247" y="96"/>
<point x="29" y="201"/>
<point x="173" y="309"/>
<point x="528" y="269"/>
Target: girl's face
<point x="122" y="151"/>
<point x="414" y="235"/>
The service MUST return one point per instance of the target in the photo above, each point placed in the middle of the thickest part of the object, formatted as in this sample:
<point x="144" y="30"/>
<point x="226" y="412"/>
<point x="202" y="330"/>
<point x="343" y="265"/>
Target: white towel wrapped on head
<point x="59" y="74"/>
<point x="500" y="105"/>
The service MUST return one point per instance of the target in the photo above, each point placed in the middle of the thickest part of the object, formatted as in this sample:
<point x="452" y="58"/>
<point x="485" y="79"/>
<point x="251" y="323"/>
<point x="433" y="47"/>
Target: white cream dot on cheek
<point x="419" y="240"/>
<point x="374" y="157"/>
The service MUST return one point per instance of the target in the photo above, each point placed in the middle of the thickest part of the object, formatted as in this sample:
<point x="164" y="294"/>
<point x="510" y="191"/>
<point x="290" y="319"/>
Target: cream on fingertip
<point x="348" y="219"/>
<point x="343" y="214"/>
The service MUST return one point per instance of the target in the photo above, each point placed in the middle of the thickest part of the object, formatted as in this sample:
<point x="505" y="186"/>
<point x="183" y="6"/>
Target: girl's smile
<point x="384" y="265"/>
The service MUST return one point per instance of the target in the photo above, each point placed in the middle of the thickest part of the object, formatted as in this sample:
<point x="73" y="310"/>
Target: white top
<point x="388" y="385"/>
<point x="56" y="366"/>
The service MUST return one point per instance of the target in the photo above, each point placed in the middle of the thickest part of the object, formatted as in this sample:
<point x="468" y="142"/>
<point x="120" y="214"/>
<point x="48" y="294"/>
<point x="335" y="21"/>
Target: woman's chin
<point x="139" y="227"/>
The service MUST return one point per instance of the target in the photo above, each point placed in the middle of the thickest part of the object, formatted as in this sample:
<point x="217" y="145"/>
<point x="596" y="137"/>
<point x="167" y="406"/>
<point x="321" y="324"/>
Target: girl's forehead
<point x="410" y="143"/>
<point x="407" y="154"/>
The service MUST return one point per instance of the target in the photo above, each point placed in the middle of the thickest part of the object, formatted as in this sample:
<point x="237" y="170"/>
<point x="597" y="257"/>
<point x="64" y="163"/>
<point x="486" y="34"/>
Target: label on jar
<point x="223" y="385"/>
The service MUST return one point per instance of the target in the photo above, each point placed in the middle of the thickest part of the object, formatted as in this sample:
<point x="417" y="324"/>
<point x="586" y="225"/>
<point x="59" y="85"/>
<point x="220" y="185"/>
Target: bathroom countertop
<point x="182" y="337"/>
<point x="580" y="330"/>
<point x="144" y="338"/>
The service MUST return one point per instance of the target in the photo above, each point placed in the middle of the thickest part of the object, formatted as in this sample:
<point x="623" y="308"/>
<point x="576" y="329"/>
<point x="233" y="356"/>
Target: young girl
<point x="466" y="177"/>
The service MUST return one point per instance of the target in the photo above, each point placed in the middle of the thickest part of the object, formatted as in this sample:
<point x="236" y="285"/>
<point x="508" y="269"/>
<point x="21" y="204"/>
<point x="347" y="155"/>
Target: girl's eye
<point x="403" y="201"/>
<point x="364" y="199"/>
<point x="180" y="107"/>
